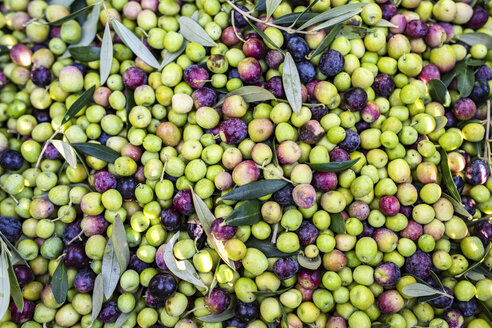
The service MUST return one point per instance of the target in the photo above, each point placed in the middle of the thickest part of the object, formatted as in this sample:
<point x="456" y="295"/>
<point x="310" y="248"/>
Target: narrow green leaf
<point x="81" y="101"/>
<point x="458" y="207"/>
<point x="15" y="290"/>
<point x="4" y="284"/>
<point x="380" y="325"/>
<point x="384" y="23"/>
<point x="476" y="38"/>
<point x="267" y="248"/>
<point x="255" y="190"/>
<point x="274" y="151"/>
<point x="260" y="5"/>
<point x="474" y="222"/>
<point x="284" y="314"/>
<point x="4" y="50"/>
<point x="448" y="77"/>
<point x="309" y="263"/>
<point x="265" y="37"/>
<point x="447" y="177"/>
<point x="437" y="280"/>
<point x="337" y="20"/>
<point x="64" y="3"/>
<point x="331" y="13"/>
<point x="17" y="257"/>
<point x="221" y="317"/>
<point x="250" y="94"/>
<point x="474" y="62"/>
<point x="474" y="275"/>
<point x="120" y="243"/>
<point x="462" y="124"/>
<point x="485" y="271"/>
<point x="98" y="151"/>
<point x="130" y="103"/>
<point x="476" y="264"/>
<point x="333" y="166"/>
<point x="441" y="122"/>
<point x="206" y="218"/>
<point x="97" y="297"/>
<point x="169" y="57"/>
<point x="85" y="53"/>
<point x="292" y="83"/>
<point x="89" y="29"/>
<point x="193" y="32"/>
<point x="486" y="310"/>
<point x="304" y="12"/>
<point x="292" y="18"/>
<point x="418" y="289"/>
<point x="437" y="90"/>
<point x="271" y="5"/>
<point x="325" y="44"/>
<point x="465" y="82"/>
<point x="134" y="43"/>
<point x="248" y="213"/>
<point x="337" y="224"/>
<point x="66" y="151"/>
<point x="106" y="58"/>
<point x="71" y="16"/>
<point x="267" y="293"/>
<point x="182" y="269"/>
<point x="110" y="270"/>
<point x="59" y="283"/>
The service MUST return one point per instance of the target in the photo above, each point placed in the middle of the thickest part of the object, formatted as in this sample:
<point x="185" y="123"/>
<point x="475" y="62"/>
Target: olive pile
<point x="219" y="163"/>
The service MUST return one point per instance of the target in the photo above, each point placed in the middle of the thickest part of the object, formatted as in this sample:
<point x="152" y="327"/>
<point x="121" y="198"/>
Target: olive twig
<point x="274" y="173"/>
<point x="46" y="146"/>
<point x="233" y="22"/>
<point x="275" y="232"/>
<point x="79" y="235"/>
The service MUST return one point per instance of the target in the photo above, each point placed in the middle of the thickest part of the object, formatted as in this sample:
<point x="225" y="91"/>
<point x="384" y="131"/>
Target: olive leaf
<point x="134" y="43"/>
<point x="271" y="5"/>
<point x="465" y="79"/>
<point x="418" y="289"/>
<point x="266" y="293"/>
<point x="248" y="213"/>
<point x="436" y="279"/>
<point x="206" y="218"/>
<point x="59" y="283"/>
<point x="458" y="207"/>
<point x="78" y="104"/>
<point x="221" y="317"/>
<point x="293" y="18"/>
<point x="267" y="248"/>
<point x="483" y="270"/>
<point x="337" y="223"/>
<point x="380" y="325"/>
<point x="169" y="57"/>
<point x="64" y="3"/>
<point x="71" y="16"/>
<point x="292" y="83"/>
<point x="16" y="256"/>
<point x="462" y="124"/>
<point x="264" y="36"/>
<point x="476" y="264"/>
<point x="447" y="177"/>
<point x="448" y="77"/>
<point x="337" y="20"/>
<point x="474" y="275"/>
<point x="260" y="5"/>
<point x="97" y="297"/>
<point x="474" y="222"/>
<point x="474" y="62"/>
<point x="305" y="11"/>
<point x="332" y="13"/>
<point x="130" y="103"/>
<point x="110" y="270"/>
<point x="309" y="263"/>
<point x="476" y="38"/>
<point x="441" y="122"/>
<point x="325" y="44"/>
<point x="89" y="29"/>
<point x="250" y="94"/>
<point x="120" y="243"/>
<point x="67" y="152"/>
<point x="485" y="310"/>
<point x="354" y="32"/>
<point x="98" y="151"/>
<point x="274" y="152"/>
<point x="384" y="23"/>
<point x="106" y="58"/>
<point x="437" y="90"/>
<point x="255" y="190"/>
<point x="333" y="166"/>
<point x="193" y="32"/>
<point x="182" y="269"/>
<point x="15" y="290"/>
<point x="4" y="50"/>
<point x="85" y="53"/>
<point x="4" y="283"/>
<point x="284" y="314"/>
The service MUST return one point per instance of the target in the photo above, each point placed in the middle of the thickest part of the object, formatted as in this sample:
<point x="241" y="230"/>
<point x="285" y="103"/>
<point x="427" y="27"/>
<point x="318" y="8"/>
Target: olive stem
<point x="275" y="173"/>
<point x="486" y="152"/>
<point x="233" y="22"/>
<point x="76" y="237"/>
<point x="11" y="196"/>
<point x="46" y="146"/>
<point x="59" y="258"/>
<point x="275" y="232"/>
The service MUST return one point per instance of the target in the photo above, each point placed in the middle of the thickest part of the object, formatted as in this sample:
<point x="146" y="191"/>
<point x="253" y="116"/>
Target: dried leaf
<point x="97" y="297"/>
<point x="78" y="104"/>
<point x="134" y="43"/>
<point x="325" y="44"/>
<point x="98" y="151"/>
<point x="182" y="269"/>
<point x="476" y="38"/>
<point x="333" y="166"/>
<point x="67" y="152"/>
<point x="248" y="213"/>
<point x="106" y="58"/>
<point x="309" y="263"/>
<point x="4" y="284"/>
<point x="267" y="248"/>
<point x="337" y="20"/>
<point x="437" y="90"/>
<point x="15" y="290"/>
<point x="384" y="23"/>
<point x="418" y="290"/>
<point x="169" y="57"/>
<point x="85" y="53"/>
<point x="226" y="315"/>
<point x="447" y="177"/>
<point x="255" y="190"/>
<point x="250" y="94"/>
<point x="71" y="16"/>
<point x="337" y="223"/>
<point x="59" y="283"/>
<point x="271" y="5"/>
<point x="206" y="218"/>
<point x="193" y="32"/>
<point x="110" y="270"/>
<point x="331" y="13"/>
<point x="292" y="83"/>
<point x="120" y="243"/>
